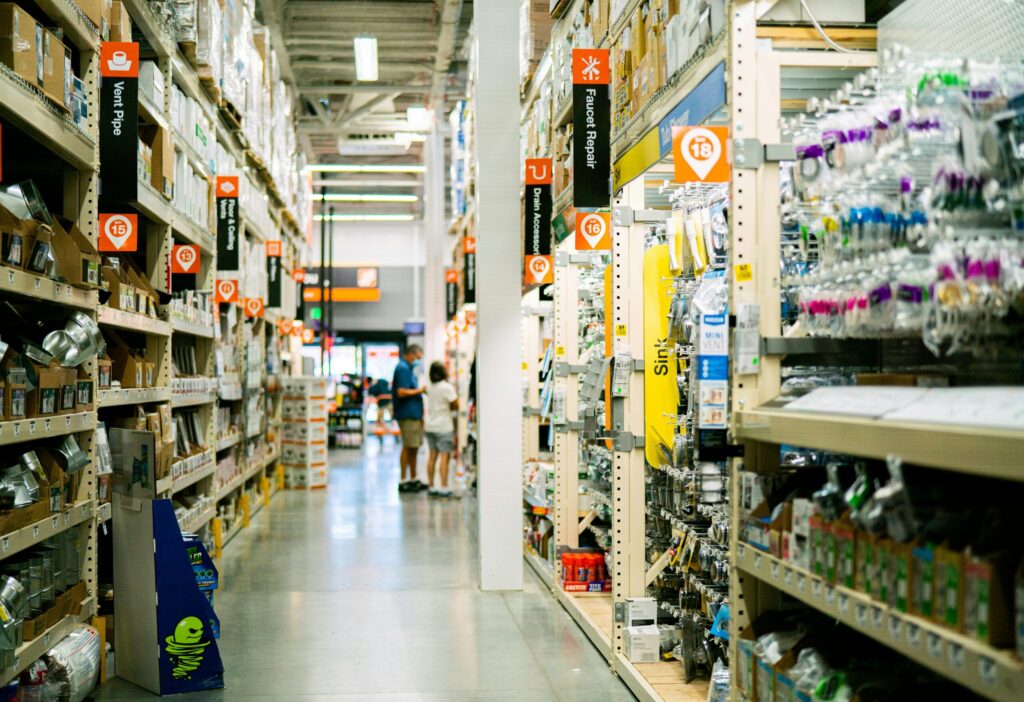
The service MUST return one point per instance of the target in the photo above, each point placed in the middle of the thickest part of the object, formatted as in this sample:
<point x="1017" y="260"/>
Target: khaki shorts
<point x="412" y="432"/>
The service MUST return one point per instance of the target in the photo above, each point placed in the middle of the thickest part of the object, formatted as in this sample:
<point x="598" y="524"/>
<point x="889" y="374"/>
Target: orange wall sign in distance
<point x="299" y="275"/>
<point x="185" y="258"/>
<point x="307" y="335"/>
<point x="469" y="245"/>
<point x="274" y="248"/>
<point x="538" y="171"/>
<point x="451" y="276"/>
<point x="253" y="307"/>
<point x="700" y="154"/>
<point x="119" y="233"/>
<point x="593" y="231"/>
<point x="227" y="186"/>
<point x="539" y="270"/>
<point x="226" y="290"/>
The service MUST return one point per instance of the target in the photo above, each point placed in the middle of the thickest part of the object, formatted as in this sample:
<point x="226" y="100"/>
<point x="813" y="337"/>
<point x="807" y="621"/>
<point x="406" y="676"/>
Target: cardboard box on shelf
<point x="128" y="367"/>
<point x="43" y="400"/>
<point x="641" y="611"/>
<point x="86" y="391"/>
<point x="159" y="140"/>
<point x="988" y="593"/>
<point x="134" y="454"/>
<point x="68" y="397"/>
<point x="120" y="22"/>
<point x="949" y="588"/>
<point x="643" y="644"/>
<point x="104" y="373"/>
<point x="99" y="12"/>
<point x="53" y="68"/>
<point x="78" y="259"/>
<point x="18" y="42"/>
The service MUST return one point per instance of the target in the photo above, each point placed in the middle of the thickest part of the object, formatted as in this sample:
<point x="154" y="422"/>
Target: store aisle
<point x="355" y="593"/>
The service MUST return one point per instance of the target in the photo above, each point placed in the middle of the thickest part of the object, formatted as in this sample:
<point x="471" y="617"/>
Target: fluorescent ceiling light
<point x="368" y="182"/>
<point x="346" y="197"/>
<point x="366" y="57"/>
<point x="365" y="218"/>
<point x="363" y="168"/>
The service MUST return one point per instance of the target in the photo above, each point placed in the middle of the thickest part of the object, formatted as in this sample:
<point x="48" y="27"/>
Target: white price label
<point x="860" y="612"/>
<point x="788" y="577"/>
<point x="830" y="596"/>
<point x="844" y="604"/>
<point x="6" y="544"/>
<point x="17" y="429"/>
<point x="67" y="515"/>
<point x="894" y="627"/>
<point x="775" y="570"/>
<point x="54" y="522"/>
<point x="801" y="583"/>
<point x="955" y="654"/>
<point x="10" y="277"/>
<point x="38" y="283"/>
<point x="35" y="531"/>
<point x="32" y="427"/>
<point x="46" y="425"/>
<point x="816" y="589"/>
<point x="57" y="289"/>
<point x="46" y="639"/>
<point x="877" y="617"/>
<point x="934" y="643"/>
<point x="757" y="561"/>
<point x="741" y="551"/>
<point x="67" y="422"/>
<point x="988" y="671"/>
<point x="913" y="635"/>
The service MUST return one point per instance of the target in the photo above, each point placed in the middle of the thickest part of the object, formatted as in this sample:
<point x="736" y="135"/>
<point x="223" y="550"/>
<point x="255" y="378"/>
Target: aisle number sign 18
<point x="700" y="155"/>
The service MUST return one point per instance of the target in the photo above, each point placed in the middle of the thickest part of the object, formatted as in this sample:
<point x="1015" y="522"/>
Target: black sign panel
<point x="119" y="121"/>
<point x="227" y="223"/>
<point x="273" y="274"/>
<point x="469" y="270"/>
<point x="451" y="293"/>
<point x="591" y="138"/>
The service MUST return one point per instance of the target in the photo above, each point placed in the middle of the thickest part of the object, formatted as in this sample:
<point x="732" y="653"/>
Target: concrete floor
<point x="356" y="593"/>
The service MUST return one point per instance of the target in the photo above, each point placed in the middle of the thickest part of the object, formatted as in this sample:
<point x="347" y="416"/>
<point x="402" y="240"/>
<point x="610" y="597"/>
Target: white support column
<point x="628" y="493"/>
<point x="435" y="239"/>
<point x="496" y="105"/>
<point x="567" y="447"/>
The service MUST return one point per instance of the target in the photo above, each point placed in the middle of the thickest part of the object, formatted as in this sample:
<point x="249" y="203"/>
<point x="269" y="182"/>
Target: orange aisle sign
<point x="253" y="307"/>
<point x="700" y="154"/>
<point x="299" y="275"/>
<point x="119" y="233"/>
<point x="593" y="231"/>
<point x="226" y="290"/>
<point x="539" y="270"/>
<point x="185" y="258"/>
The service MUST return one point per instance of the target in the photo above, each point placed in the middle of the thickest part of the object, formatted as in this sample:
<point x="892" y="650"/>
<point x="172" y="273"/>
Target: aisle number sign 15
<point x="700" y="154"/>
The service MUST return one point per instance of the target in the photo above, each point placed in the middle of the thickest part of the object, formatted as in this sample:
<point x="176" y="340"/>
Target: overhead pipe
<point x="450" y="13"/>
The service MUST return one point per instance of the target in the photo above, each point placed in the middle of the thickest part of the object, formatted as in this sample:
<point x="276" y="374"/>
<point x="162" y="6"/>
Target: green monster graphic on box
<point x="185" y="647"/>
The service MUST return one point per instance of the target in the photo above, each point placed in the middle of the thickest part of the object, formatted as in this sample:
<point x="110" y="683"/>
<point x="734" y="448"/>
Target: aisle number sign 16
<point x="700" y="154"/>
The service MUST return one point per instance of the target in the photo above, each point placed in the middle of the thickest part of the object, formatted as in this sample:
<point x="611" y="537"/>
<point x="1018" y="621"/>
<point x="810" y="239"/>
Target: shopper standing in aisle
<point x="409" y="412"/>
<point x="442" y="401"/>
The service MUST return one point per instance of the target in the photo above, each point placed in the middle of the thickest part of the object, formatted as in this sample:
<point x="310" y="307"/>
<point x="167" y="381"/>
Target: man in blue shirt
<point x="408" y="399"/>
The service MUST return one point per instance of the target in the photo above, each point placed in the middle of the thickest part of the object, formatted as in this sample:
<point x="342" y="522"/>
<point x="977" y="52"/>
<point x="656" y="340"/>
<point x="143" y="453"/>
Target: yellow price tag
<point x="620" y="330"/>
<point x="744" y="272"/>
<point x="526" y="365"/>
<point x="559" y="350"/>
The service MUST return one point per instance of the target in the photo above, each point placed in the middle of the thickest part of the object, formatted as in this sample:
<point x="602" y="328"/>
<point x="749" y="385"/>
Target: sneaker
<point x="406" y="486"/>
<point x="431" y="492"/>
<point x="446" y="493"/>
<point x="418" y="486"/>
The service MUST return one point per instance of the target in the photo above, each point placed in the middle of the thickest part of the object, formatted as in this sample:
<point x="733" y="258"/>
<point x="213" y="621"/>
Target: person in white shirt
<point x="442" y="401"/>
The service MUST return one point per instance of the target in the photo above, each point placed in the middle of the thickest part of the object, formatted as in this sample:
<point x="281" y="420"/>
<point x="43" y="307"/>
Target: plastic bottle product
<point x="582" y="567"/>
<point x="597" y="568"/>
<point x="568" y="567"/>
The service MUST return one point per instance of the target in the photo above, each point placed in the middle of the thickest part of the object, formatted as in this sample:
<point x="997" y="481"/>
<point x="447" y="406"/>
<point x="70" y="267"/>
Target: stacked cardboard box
<point x="534" y="33"/>
<point x="304" y="441"/>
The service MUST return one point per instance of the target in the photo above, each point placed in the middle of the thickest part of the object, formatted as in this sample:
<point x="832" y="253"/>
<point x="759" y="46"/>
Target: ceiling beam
<point x="331" y="89"/>
<point x="346" y="54"/>
<point x="450" y="11"/>
<point x="344" y="6"/>
<point x="347" y="118"/>
<point x="348" y="66"/>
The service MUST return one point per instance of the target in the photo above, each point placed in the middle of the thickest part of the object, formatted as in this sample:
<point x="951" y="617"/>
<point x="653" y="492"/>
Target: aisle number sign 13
<point x="700" y="154"/>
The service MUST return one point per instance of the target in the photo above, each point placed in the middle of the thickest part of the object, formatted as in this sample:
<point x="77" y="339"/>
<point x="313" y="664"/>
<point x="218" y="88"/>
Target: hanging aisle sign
<point x="451" y="293"/>
<point x="699" y="154"/>
<point x="273" y="274"/>
<point x="469" y="269"/>
<point x="591" y="138"/>
<point x="119" y="120"/>
<point x="593" y="231"/>
<point x="227" y="223"/>
<point x="537" y="233"/>
<point x="185" y="259"/>
<point x="539" y="271"/>
<point x="225" y="290"/>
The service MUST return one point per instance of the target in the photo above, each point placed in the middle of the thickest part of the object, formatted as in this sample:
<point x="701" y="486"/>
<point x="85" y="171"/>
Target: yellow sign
<point x="559" y="350"/>
<point x="661" y="393"/>
<point x="744" y="272"/>
<point x="620" y="330"/>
